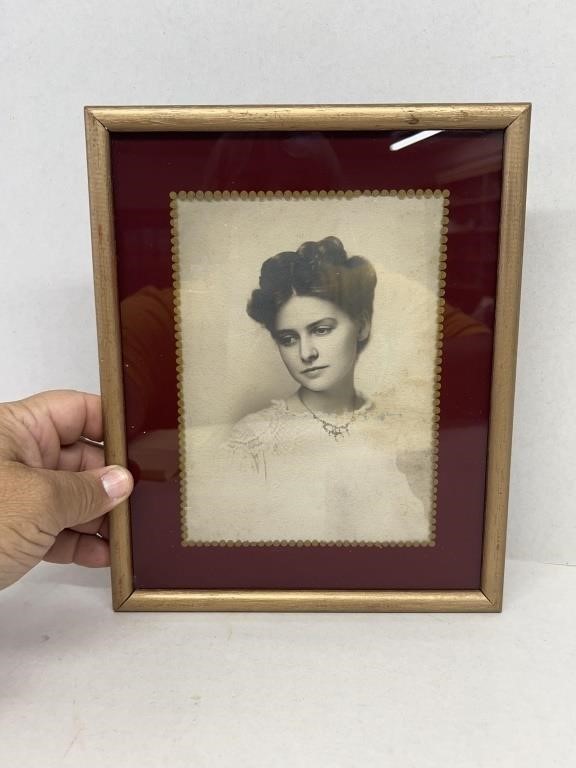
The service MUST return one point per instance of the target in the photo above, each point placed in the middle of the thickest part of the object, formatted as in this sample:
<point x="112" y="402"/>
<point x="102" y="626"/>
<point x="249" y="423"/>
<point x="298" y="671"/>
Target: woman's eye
<point x="286" y="341"/>
<point x="322" y="330"/>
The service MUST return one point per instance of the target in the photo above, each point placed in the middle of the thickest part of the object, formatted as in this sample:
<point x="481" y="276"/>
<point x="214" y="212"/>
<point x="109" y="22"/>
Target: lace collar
<point x="282" y="407"/>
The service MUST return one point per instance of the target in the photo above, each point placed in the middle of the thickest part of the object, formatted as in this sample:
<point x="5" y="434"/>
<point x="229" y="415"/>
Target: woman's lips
<point x="313" y="373"/>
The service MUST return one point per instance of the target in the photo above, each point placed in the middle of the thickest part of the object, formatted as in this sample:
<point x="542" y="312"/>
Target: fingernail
<point x="116" y="482"/>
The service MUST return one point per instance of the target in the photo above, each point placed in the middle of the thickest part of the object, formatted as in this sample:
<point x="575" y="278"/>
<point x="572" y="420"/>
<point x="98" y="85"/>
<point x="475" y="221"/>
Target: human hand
<point x="54" y="488"/>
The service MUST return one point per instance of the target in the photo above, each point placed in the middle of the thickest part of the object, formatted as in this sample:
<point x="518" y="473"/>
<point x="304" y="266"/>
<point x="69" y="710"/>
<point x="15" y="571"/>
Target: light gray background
<point x="334" y="691"/>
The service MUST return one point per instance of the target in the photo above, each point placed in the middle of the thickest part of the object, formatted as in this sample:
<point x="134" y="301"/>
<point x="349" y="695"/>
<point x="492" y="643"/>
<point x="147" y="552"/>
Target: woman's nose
<point x="308" y="351"/>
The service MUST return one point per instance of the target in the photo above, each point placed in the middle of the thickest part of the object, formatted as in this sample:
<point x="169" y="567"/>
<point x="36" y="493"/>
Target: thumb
<point x="78" y="497"/>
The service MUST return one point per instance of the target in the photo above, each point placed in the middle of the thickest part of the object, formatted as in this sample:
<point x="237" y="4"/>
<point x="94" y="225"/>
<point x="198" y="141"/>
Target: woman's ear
<point x="364" y="329"/>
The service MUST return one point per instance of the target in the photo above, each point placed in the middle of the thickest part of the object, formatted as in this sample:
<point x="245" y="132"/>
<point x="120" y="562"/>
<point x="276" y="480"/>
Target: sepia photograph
<point x="308" y="343"/>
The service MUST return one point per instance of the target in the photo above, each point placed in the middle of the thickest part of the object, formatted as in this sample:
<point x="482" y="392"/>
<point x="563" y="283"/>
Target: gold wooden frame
<point x="514" y="119"/>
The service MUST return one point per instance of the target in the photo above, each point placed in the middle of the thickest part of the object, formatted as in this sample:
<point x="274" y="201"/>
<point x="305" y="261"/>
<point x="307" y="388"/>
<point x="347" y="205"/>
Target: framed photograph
<point x="307" y="321"/>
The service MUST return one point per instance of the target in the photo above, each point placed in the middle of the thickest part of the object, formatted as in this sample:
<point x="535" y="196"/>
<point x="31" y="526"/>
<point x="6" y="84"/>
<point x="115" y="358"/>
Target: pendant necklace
<point x="334" y="430"/>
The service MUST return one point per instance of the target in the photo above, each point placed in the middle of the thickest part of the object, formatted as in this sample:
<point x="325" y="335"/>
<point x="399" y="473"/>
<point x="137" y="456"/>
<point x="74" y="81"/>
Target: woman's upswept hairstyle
<point x="322" y="269"/>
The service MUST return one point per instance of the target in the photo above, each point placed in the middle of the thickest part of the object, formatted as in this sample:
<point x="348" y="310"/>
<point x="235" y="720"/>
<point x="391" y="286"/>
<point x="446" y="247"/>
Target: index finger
<point x="70" y="413"/>
<point x="33" y="430"/>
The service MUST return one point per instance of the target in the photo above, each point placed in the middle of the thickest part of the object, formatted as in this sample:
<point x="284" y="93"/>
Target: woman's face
<point x="317" y="340"/>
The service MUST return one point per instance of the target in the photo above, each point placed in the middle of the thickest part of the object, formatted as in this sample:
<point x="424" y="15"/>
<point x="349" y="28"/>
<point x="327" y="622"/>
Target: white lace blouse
<point x="280" y="477"/>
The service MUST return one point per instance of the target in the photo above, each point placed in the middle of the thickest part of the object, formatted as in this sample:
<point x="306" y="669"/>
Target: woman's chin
<point x="316" y="386"/>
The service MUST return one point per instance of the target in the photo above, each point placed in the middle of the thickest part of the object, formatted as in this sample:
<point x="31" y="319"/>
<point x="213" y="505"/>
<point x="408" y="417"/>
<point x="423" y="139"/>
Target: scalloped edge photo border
<point x="260" y="195"/>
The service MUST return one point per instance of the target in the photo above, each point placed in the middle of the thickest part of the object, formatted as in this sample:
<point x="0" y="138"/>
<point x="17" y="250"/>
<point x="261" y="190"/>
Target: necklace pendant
<point x="333" y="430"/>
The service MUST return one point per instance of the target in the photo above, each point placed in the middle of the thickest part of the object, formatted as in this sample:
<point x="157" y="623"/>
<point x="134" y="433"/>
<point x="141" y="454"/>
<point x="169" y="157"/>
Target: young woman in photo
<point x="325" y="464"/>
<point x="317" y="304"/>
